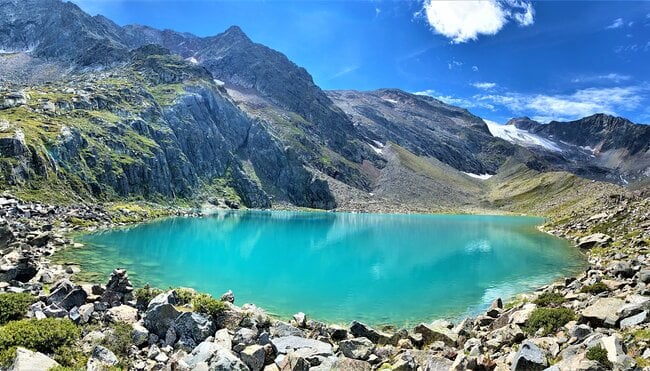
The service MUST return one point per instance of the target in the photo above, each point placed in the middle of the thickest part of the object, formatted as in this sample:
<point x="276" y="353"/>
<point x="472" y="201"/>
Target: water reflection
<point x="338" y="266"/>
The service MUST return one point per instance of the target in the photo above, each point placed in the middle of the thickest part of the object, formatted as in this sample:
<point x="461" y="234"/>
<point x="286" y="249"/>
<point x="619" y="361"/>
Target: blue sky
<point x="498" y="58"/>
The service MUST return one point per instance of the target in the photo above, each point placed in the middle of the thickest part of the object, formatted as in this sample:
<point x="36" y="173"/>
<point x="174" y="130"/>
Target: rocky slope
<point x="599" y="147"/>
<point x="595" y="321"/>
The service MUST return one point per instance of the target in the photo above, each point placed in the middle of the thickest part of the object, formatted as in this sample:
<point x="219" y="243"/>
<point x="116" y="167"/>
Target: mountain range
<point x="93" y="111"/>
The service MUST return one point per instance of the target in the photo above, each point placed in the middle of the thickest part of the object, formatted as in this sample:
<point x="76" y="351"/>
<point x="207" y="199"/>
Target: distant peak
<point x="236" y="33"/>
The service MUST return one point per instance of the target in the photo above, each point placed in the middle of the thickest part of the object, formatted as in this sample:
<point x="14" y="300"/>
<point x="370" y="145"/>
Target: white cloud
<point x="475" y="68"/>
<point x="456" y="101"/>
<point x="454" y="63"/>
<point x="613" y="77"/>
<point x="484" y="85"/>
<point x="582" y="103"/>
<point x="462" y="21"/>
<point x="617" y="23"/>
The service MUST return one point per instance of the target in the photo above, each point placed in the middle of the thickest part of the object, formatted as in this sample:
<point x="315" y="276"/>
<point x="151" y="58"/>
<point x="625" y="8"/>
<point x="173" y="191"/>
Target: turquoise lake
<point x="336" y="267"/>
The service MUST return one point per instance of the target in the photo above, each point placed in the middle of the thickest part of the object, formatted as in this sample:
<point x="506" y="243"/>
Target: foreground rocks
<point x="604" y="309"/>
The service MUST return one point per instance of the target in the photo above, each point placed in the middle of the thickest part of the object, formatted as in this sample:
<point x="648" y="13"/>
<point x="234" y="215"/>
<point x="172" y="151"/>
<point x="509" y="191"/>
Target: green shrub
<point x="7" y="356"/>
<point x="144" y="295"/>
<point x="46" y="336"/>
<point x="550" y="299"/>
<point x="14" y="306"/>
<point x="184" y="295"/>
<point x="204" y="303"/>
<point x="549" y="319"/>
<point x="595" y="289"/>
<point x="599" y="354"/>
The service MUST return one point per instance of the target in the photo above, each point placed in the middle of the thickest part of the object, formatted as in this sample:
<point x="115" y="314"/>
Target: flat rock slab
<point x="286" y="344"/>
<point x="604" y="312"/>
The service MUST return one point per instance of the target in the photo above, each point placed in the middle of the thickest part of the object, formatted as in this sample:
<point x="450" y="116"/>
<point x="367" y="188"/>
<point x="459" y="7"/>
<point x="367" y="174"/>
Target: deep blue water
<point x="381" y="269"/>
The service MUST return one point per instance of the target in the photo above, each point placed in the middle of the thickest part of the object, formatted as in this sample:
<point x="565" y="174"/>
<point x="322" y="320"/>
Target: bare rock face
<point x="594" y="240"/>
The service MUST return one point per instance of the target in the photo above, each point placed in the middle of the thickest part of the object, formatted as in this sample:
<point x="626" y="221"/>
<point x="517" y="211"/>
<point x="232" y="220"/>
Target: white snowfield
<point x="522" y="137"/>
<point x="479" y="176"/>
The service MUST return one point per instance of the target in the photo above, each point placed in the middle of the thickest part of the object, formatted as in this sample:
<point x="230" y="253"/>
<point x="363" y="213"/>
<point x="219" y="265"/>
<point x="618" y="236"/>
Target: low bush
<point x="14" y="306"/>
<point x="548" y="319"/>
<point x="204" y="303"/>
<point x="550" y="299"/>
<point x="50" y="336"/>
<point x="144" y="295"/>
<point x="595" y="288"/>
<point x="119" y="338"/>
<point x="599" y="354"/>
<point x="185" y="295"/>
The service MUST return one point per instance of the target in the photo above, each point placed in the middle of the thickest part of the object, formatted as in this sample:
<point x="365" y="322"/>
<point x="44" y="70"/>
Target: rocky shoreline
<point x="597" y="320"/>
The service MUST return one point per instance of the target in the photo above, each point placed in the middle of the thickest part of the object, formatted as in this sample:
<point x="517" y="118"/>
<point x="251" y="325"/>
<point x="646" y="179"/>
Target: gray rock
<point x="254" y="357"/>
<point x="161" y="314"/>
<point x="192" y="328"/>
<point x="603" y="312"/>
<point x="529" y="358"/>
<point x="202" y="353"/>
<point x="301" y="319"/>
<point x="228" y="296"/>
<point x="123" y="313"/>
<point x="85" y="312"/>
<point x="26" y="360"/>
<point x="290" y="343"/>
<point x="358" y="329"/>
<point x="634" y="320"/>
<point x="337" y="332"/>
<point x="580" y="331"/>
<point x="357" y="348"/>
<point x="54" y="311"/>
<point x="223" y="339"/>
<point x="280" y="329"/>
<point x="245" y="336"/>
<point x="594" y="240"/>
<point x="294" y="362"/>
<point x="225" y="360"/>
<point x="100" y="359"/>
<point x="140" y="335"/>
<point x="644" y="276"/>
<point x="67" y="295"/>
<point x="431" y="333"/>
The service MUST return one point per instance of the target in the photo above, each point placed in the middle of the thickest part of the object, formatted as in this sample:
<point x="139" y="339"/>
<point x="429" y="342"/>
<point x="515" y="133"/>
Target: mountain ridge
<point x="227" y="116"/>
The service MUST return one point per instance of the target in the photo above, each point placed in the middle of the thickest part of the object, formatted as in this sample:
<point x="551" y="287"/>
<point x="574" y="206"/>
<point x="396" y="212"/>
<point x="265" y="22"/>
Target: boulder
<point x="26" y="360"/>
<point x="101" y="359"/>
<point x="193" y="328"/>
<point x="594" y="240"/>
<point x="357" y="348"/>
<point x="67" y="295"/>
<point x="228" y="296"/>
<point x="6" y="236"/>
<point x="41" y="239"/>
<point x="614" y="347"/>
<point x="140" y="335"/>
<point x="201" y="353"/>
<point x="280" y="329"/>
<point x="161" y="314"/>
<point x="337" y="332"/>
<point x="634" y="320"/>
<point x="225" y="360"/>
<point x="123" y="313"/>
<point x="604" y="312"/>
<point x="254" y="357"/>
<point x="301" y="319"/>
<point x="294" y="362"/>
<point x="358" y="329"/>
<point x="621" y="269"/>
<point x="287" y="344"/>
<point x="529" y="358"/>
<point x="434" y="332"/>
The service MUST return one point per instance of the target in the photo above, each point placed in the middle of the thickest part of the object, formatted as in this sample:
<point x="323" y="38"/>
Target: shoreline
<point x="424" y="338"/>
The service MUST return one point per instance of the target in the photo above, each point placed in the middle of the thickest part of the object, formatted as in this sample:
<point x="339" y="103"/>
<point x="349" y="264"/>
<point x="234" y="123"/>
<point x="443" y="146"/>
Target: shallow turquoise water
<point x="381" y="269"/>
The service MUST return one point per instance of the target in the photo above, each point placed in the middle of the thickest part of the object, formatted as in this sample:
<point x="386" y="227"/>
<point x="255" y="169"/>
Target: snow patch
<point x="479" y="176"/>
<point x="522" y="137"/>
<point x="192" y="60"/>
<point x="378" y="147"/>
<point x="391" y="100"/>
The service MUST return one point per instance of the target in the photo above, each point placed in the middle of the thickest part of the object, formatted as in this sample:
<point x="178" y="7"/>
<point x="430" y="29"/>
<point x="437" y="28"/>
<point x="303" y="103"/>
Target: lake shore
<point x="605" y="307"/>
